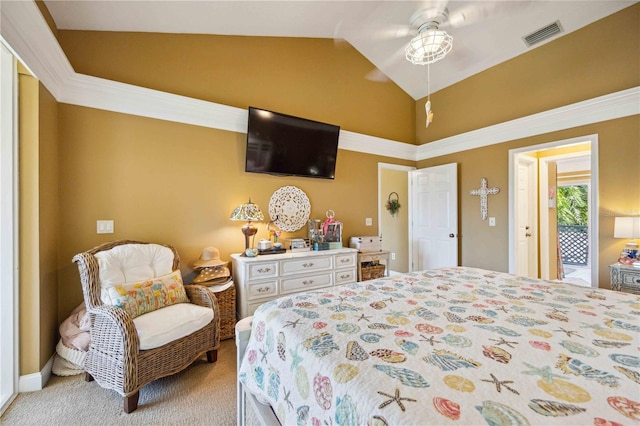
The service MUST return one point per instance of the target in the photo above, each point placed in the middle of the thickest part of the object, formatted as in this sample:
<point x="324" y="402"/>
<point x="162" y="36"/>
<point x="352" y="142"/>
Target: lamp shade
<point x="626" y="227"/>
<point x="247" y="212"/>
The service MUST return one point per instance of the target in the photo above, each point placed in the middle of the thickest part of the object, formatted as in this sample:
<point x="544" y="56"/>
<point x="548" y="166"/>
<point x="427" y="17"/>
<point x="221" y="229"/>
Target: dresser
<point x="263" y="278"/>
<point x="625" y="278"/>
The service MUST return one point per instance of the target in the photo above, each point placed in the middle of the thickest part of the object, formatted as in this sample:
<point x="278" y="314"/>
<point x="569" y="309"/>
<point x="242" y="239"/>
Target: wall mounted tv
<point x="285" y="145"/>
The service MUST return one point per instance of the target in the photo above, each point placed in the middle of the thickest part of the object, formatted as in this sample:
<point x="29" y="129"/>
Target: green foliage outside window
<point x="573" y="205"/>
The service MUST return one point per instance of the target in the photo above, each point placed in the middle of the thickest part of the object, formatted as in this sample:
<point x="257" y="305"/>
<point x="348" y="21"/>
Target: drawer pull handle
<point x="344" y="276"/>
<point x="263" y="289"/>
<point x="307" y="282"/>
<point x="637" y="280"/>
<point x="345" y="260"/>
<point x="308" y="265"/>
<point x="264" y="270"/>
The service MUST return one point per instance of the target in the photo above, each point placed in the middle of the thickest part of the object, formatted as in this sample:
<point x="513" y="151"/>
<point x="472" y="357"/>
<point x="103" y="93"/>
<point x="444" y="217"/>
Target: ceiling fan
<point x="426" y="38"/>
<point x="429" y="42"/>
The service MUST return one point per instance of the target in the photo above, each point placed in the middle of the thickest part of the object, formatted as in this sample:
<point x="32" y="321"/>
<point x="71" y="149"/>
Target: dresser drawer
<point x="262" y="289"/>
<point x="297" y="284"/>
<point x="304" y="265"/>
<point x="345" y="260"/>
<point x="263" y="270"/>
<point x="630" y="278"/>
<point x="344" y="276"/>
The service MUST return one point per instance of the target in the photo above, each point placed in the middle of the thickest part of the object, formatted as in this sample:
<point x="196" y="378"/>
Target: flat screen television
<point x="285" y="145"/>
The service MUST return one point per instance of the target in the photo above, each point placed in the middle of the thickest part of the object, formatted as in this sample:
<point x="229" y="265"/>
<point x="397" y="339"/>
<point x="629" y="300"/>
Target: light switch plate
<point x="104" y="227"/>
<point x="368" y="221"/>
<point x="492" y="221"/>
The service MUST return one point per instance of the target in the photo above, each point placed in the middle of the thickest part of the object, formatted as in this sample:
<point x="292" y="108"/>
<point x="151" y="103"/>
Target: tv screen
<point x="281" y="144"/>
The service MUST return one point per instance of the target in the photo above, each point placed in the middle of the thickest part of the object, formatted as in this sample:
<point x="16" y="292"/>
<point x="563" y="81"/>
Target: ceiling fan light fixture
<point x="429" y="46"/>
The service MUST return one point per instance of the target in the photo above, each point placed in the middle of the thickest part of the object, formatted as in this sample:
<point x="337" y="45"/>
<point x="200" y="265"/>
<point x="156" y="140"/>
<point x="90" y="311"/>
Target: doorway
<point x="560" y="164"/>
<point x="393" y="181"/>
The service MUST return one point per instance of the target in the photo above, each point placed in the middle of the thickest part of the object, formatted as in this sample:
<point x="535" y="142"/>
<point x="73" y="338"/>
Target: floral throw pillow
<point x="145" y="296"/>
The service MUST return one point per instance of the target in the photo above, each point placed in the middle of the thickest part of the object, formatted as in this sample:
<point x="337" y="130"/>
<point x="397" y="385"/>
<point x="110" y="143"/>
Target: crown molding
<point x="607" y="107"/>
<point x="27" y="34"/>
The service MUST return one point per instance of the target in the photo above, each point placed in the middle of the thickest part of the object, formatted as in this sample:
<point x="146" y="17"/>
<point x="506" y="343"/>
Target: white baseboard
<point x="36" y="381"/>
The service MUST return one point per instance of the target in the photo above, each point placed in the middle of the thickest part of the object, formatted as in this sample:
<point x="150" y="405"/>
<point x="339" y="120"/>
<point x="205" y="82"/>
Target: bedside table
<point x="625" y="278"/>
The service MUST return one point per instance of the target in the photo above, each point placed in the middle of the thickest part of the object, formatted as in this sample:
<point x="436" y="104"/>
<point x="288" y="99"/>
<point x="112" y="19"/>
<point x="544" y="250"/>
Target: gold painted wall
<point x="395" y="229"/>
<point x="555" y="74"/>
<point x="174" y="183"/>
<point x="39" y="220"/>
<point x="618" y="191"/>
<point x="306" y="77"/>
<point x="601" y="58"/>
<point x="29" y="291"/>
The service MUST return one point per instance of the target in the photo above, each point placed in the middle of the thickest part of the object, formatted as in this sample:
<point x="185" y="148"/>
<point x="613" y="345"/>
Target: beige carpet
<point x="203" y="394"/>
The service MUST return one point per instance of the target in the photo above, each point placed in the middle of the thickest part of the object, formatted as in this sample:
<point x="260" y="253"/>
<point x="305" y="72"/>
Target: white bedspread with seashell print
<point x="448" y="346"/>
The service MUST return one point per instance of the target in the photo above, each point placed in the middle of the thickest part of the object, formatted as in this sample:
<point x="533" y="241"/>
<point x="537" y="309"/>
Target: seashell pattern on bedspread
<point x="458" y="346"/>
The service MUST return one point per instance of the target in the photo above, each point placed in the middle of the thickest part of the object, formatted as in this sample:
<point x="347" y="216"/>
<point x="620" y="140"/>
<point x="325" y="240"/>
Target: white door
<point x="526" y="217"/>
<point x="434" y="217"/>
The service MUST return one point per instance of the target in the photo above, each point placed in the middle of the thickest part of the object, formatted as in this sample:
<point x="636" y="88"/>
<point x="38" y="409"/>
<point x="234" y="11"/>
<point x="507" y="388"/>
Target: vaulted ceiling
<point x="485" y="33"/>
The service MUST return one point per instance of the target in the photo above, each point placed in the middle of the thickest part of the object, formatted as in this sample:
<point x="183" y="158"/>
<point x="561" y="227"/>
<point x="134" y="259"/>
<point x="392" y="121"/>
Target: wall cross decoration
<point x="483" y="192"/>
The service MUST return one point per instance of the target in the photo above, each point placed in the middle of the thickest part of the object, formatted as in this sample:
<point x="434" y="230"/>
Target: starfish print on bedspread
<point x="502" y="341"/>
<point x="544" y="372"/>
<point x="608" y="306"/>
<point x="292" y="323"/>
<point x="431" y="340"/>
<point x="395" y="398"/>
<point x="501" y="383"/>
<point x="364" y="317"/>
<point x="570" y="333"/>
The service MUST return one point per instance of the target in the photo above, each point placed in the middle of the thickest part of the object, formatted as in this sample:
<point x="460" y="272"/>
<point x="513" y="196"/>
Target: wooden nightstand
<point x="625" y="278"/>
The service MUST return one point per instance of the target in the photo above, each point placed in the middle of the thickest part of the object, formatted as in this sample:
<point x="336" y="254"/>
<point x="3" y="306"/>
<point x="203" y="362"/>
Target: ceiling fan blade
<point x="378" y="74"/>
<point x="481" y="11"/>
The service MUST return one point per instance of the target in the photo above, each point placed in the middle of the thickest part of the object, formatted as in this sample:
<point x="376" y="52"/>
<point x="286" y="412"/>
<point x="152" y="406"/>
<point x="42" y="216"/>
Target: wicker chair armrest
<point x="202" y="296"/>
<point x="113" y="332"/>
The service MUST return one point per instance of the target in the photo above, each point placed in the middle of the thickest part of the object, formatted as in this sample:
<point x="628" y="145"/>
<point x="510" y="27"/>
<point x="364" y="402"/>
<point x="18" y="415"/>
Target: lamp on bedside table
<point x="247" y="212"/>
<point x="628" y="227"/>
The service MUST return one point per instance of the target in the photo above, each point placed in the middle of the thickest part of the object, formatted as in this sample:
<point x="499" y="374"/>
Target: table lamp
<point x="628" y="227"/>
<point x="247" y="212"/>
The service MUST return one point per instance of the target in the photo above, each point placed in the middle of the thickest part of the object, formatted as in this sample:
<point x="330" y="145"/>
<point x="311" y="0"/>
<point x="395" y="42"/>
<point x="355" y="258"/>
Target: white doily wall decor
<point x="289" y="208"/>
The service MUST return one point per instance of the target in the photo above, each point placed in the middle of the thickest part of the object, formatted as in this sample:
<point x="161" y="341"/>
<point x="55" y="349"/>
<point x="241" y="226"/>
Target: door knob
<point x="527" y="234"/>
<point x="451" y="235"/>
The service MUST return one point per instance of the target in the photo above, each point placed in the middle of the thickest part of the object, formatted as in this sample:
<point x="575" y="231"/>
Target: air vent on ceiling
<point x="543" y="34"/>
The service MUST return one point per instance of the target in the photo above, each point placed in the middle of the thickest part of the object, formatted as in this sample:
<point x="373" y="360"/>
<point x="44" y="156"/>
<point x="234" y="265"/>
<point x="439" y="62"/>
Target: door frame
<point x="544" y="216"/>
<point x="382" y="199"/>
<point x="9" y="293"/>
<point x="593" y="193"/>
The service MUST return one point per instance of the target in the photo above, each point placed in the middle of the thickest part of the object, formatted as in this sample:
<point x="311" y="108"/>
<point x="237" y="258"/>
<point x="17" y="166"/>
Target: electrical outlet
<point x="368" y="221"/>
<point x="104" y="227"/>
<point x="393" y="256"/>
<point x="492" y="221"/>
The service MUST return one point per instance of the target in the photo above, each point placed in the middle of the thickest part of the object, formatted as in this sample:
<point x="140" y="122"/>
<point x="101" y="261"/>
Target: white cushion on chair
<point x="133" y="262"/>
<point x="165" y="325"/>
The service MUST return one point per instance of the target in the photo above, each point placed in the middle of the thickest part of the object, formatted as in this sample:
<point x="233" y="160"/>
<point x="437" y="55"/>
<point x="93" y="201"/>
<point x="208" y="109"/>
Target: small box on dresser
<point x="625" y="278"/>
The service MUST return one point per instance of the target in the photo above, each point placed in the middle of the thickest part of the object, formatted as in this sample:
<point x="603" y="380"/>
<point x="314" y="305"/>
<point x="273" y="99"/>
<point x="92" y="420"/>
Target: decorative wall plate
<point x="289" y="208"/>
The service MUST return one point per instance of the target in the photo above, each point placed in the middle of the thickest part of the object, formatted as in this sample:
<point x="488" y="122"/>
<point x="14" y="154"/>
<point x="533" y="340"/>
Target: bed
<point x="445" y="346"/>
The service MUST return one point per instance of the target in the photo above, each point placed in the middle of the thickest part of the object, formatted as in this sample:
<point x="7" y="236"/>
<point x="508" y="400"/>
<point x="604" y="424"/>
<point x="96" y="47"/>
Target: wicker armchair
<point x="115" y="359"/>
